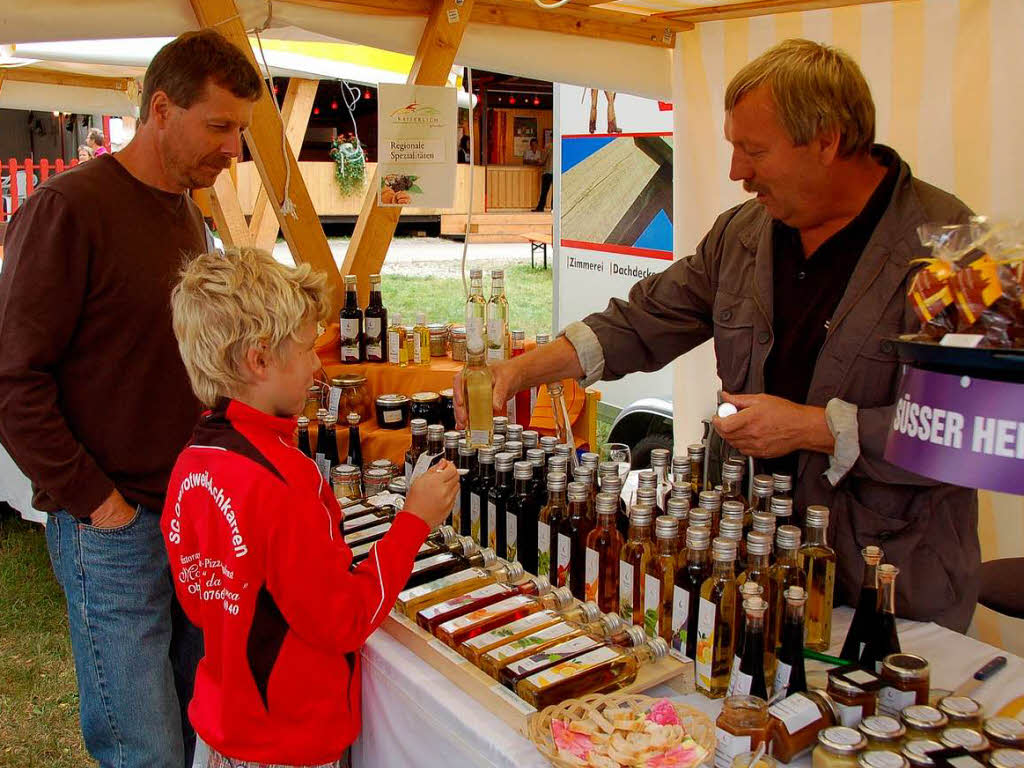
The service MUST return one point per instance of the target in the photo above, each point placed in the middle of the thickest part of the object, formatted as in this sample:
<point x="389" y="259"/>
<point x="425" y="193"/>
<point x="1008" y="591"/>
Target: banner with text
<point x="416" y="145"/>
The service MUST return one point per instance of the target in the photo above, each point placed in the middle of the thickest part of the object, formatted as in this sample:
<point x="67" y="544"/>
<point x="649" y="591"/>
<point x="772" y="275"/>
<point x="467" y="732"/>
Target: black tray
<point x="1006" y="364"/>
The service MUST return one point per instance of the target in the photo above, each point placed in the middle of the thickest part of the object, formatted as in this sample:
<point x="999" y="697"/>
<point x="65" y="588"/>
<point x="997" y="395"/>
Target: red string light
<point x="316" y="110"/>
<point x="334" y="105"/>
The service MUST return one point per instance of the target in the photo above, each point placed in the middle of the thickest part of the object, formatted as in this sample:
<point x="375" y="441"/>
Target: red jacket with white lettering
<point x="253" y="536"/>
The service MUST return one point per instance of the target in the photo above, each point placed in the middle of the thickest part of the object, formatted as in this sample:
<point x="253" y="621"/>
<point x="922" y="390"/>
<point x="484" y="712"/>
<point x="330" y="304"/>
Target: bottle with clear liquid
<point x="521" y="514"/>
<point x="681" y="471"/>
<point x="686" y="601"/>
<point x="499" y="339"/>
<point x="749" y="678"/>
<point x="603" y="549"/>
<point x="411" y="344"/>
<point x="818" y="561"/>
<point x="418" y="444"/>
<point x="303" y="436"/>
<point x="548" y="522"/>
<point x="712" y="502"/>
<point x="787" y="572"/>
<point x="375" y="325"/>
<point x="866" y="614"/>
<point x="790" y="676"/>
<point x="633" y="564"/>
<point x="659" y="589"/>
<point x="660" y="460"/>
<point x="695" y="453"/>
<point x="351" y="317"/>
<point x="881" y="638"/>
<point x="497" y="505"/>
<point x="782" y="510"/>
<point x="782" y="488"/>
<point x="421" y="342"/>
<point x="716" y="622"/>
<point x="458" y="582"/>
<point x="397" y="352"/>
<point x="732" y="482"/>
<point x="763" y="487"/>
<point x="758" y="571"/>
<point x="678" y="507"/>
<point x="572" y="537"/>
<point x="485" y="479"/>
<point x="478" y="393"/>
<point x="476" y="314"/>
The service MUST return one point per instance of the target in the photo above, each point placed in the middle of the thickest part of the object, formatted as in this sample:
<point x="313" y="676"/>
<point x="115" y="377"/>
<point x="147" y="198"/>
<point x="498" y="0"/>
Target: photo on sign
<point x="398" y="189"/>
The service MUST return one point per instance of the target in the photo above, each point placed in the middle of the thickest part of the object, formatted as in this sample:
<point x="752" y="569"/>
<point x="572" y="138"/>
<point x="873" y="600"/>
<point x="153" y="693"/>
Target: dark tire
<point x="642" y="452"/>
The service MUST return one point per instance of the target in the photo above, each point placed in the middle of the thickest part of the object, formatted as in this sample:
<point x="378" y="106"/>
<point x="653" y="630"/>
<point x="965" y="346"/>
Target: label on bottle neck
<point x="705" y="644"/>
<point x="680" y="615"/>
<point x="490" y="590"/>
<point x="376" y="531"/>
<point x="626" y="576"/>
<point x="511" y="537"/>
<point x="474" y="517"/>
<point x="516" y="647"/>
<point x="783" y="672"/>
<point x="394" y="357"/>
<point x="652" y="604"/>
<point x="796" y="712"/>
<point x="486" y="613"/>
<point x="492" y="526"/>
<point x="728" y="746"/>
<point x="518" y="626"/>
<point x="443" y="583"/>
<point x="592" y="568"/>
<point x="543" y="549"/>
<point x="573" y="667"/>
<point x="564" y="560"/>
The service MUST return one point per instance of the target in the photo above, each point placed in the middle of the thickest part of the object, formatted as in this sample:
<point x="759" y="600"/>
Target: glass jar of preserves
<point x="969" y="739"/>
<point x="448" y="408"/>
<point x="354" y="396"/>
<point x="457" y="335"/>
<point x="393" y="411"/>
<point x="314" y="402"/>
<point x="916" y="752"/>
<point x="426" y="406"/>
<point x="963" y="712"/>
<point x="797" y="720"/>
<point x="745" y="760"/>
<point x="881" y="758"/>
<point x="384" y="464"/>
<point x="1004" y="732"/>
<point x="1006" y="758"/>
<point x="838" y="747"/>
<point x="376" y="481"/>
<point x="883" y="732"/>
<point x="742" y="726"/>
<point x="438" y="339"/>
<point x="345" y="482"/>
<point x="852" y="703"/>
<point x="923" y="722"/>
<point x="905" y="680"/>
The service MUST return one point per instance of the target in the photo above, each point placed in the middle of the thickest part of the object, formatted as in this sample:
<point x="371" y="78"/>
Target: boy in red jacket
<point x="253" y="529"/>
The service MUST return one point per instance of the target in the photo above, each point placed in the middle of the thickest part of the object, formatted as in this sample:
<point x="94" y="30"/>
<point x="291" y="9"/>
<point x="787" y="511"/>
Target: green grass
<point x="442" y="299"/>
<point x="38" y="694"/>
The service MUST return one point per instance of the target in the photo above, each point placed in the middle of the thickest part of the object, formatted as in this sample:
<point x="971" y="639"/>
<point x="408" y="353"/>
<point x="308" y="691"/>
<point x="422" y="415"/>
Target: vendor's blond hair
<point x="227" y="303"/>
<point x="815" y="88"/>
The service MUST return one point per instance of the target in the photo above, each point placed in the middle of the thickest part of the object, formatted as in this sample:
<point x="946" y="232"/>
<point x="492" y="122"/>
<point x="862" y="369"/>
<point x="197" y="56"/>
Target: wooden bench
<point x="538" y="241"/>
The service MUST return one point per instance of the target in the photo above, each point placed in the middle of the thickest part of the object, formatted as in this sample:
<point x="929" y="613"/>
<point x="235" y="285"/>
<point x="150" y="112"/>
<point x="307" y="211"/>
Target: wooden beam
<point x="302" y="230"/>
<point x="754" y="8"/>
<point x="53" y="77"/>
<point x="227" y="212"/>
<point x="298" y="103"/>
<point x="375" y="226"/>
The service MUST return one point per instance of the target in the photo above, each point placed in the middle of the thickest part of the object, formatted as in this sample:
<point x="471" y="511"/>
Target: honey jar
<point x="969" y="739"/>
<point x="852" y="703"/>
<point x="916" y="752"/>
<point x="741" y="727"/>
<point x="923" y="722"/>
<point x="838" y="747"/>
<point x="1006" y="758"/>
<point x="962" y="711"/>
<point x="905" y="681"/>
<point x="882" y="758"/>
<point x="1004" y="732"/>
<point x="345" y="482"/>
<point x="797" y="720"/>
<point x="883" y="732"/>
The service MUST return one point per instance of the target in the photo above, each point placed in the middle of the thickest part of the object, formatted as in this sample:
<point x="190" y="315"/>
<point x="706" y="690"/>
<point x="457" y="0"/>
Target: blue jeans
<point x="135" y="651"/>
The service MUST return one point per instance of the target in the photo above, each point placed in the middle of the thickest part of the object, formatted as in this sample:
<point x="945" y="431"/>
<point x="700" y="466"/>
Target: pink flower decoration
<point x="663" y="713"/>
<point x="683" y="756"/>
<point x="578" y="744"/>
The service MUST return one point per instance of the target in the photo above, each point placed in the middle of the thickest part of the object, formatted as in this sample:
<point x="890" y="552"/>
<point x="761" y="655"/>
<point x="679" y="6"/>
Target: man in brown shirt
<point x="95" y="404"/>
<point x="831" y="207"/>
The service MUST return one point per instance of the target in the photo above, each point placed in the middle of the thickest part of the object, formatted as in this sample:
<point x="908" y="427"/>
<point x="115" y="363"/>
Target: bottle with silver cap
<point x="762" y="488"/>
<point x="679" y="508"/>
<point x="592" y="460"/>
<point x="867" y="606"/>
<point x="789" y="676"/>
<point x="613" y="484"/>
<point x="548" y="522"/>
<point x="660" y="579"/>
<point x="647" y="497"/>
<point x="501" y="426"/>
<point x="695" y="453"/>
<point x="499" y="339"/>
<point x="418" y="427"/>
<point x="498" y="443"/>
<point x="485" y="479"/>
<point x="562" y="605"/>
<point x="782" y="509"/>
<point x="604" y="546"/>
<point x="432" y="568"/>
<point x="686" y="593"/>
<point x="515" y="583"/>
<point x="467" y="477"/>
<point x="700" y="518"/>
<point x="514" y="431"/>
<point x="712" y="502"/>
<point x="539" y="459"/>
<point x="716" y="622"/>
<point x="758" y="571"/>
<point x="513" y="602"/>
<point x="302" y="440"/>
<point x="521" y="515"/>
<point x="782" y="486"/>
<point x="530" y="439"/>
<point x="451" y="446"/>
<point x="818" y="561"/>
<point x="785" y="573"/>
<point x="733" y="530"/>
<point x="732" y="482"/>
<point x="572" y="536"/>
<point x="497" y="503"/>
<point x="660" y="460"/>
<point x="326" y="456"/>
<point x="584" y="474"/>
<point x="633" y="565"/>
<point x="764" y="522"/>
<point x="681" y="470"/>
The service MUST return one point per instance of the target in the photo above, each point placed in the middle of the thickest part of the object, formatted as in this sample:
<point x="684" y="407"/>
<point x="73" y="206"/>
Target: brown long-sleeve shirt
<point x="93" y="393"/>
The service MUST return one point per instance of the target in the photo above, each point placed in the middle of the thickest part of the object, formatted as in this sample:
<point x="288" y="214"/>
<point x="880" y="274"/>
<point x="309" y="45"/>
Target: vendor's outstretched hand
<point x="432" y="495"/>
<point x="768" y="426"/>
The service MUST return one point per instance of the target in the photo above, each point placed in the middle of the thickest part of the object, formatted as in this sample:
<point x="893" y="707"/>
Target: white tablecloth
<point x="413" y="716"/>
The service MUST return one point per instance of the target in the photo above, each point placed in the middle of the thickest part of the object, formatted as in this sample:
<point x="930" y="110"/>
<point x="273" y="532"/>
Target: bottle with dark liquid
<point x="539" y="484"/>
<point x="467" y="473"/>
<point x="789" y="674"/>
<point x="355" y="449"/>
<point x="633" y="563"/>
<point x="451" y="447"/>
<point x="485" y="479"/>
<point x="686" y="601"/>
<point x="435" y="567"/>
<point x="327" y="446"/>
<point x="882" y="638"/>
<point x="818" y="560"/>
<point x="659" y="587"/>
<point x="716" y="622"/>
<point x="435" y="439"/>
<point x="418" y="445"/>
<point x="695" y="453"/>
<point x="431" y="617"/>
<point x="758" y="571"/>
<point x="375" y="325"/>
<point x="745" y="592"/>
<point x="351" y="324"/>
<point x="303" y="437"/>
<point x="866" y="615"/>
<point x="604" y="545"/>
<point x="750" y="678"/>
<point x="497" y="503"/>
<point x="785" y="573"/>
<point x="572" y="537"/>
<point x="549" y="523"/>
<point x="521" y="513"/>
<point x="530" y="439"/>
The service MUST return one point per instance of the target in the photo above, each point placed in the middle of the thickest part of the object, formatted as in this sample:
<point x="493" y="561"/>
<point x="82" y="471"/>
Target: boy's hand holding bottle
<point x="432" y="495"/>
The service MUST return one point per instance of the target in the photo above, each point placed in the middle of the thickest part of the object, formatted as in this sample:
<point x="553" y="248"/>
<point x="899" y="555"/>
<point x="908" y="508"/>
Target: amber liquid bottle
<point x="303" y="436"/>
<point x="548" y="523"/>
<point x="659" y="588"/>
<point x="397" y="353"/>
<point x="351" y="324"/>
<point x="696" y="455"/>
<point x="679" y="509"/>
<point x="633" y="563"/>
<point x="530" y="596"/>
<point x="866" y="614"/>
<point x="750" y="677"/>
<point x="431" y="617"/>
<point x="882" y="638"/>
<point x="712" y="502"/>
<point x="613" y="485"/>
<point x="763" y="487"/>
<point x="716" y="630"/>
<point x="789" y="674"/>
<point x="686" y="601"/>
<point x="785" y="573"/>
<point x="375" y="325"/>
<point x="561" y="605"/>
<point x="459" y="582"/>
<point x="604" y="546"/>
<point x="818" y="561"/>
<point x="521" y="513"/>
<point x="572" y="538"/>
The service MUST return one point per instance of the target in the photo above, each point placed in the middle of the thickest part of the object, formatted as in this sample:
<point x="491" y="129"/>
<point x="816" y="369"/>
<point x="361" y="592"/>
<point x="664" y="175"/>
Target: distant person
<point x="464" y="151"/>
<point x="85" y="153"/>
<point x="96" y="142"/>
<point x="533" y="154"/>
<point x="536" y="156"/>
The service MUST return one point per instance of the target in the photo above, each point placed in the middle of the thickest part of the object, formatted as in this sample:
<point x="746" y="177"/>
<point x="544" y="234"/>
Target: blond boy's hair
<point x="226" y="304"/>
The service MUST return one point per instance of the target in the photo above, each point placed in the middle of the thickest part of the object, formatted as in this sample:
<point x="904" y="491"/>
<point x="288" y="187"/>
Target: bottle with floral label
<point x="604" y="547"/>
<point x="659" y="589"/>
<point x="375" y="325"/>
<point x="550" y="519"/>
<point x="633" y="563"/>
<point x="351" y="317"/>
<point x="716" y="622"/>
<point x="686" y="592"/>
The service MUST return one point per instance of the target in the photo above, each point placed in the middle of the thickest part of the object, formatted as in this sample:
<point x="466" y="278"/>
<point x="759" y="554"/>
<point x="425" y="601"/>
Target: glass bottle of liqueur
<point x="686" y="593"/>
<point x="881" y="638"/>
<point x="745" y="592"/>
<point x="763" y="487"/>
<point x="499" y="340"/>
<point x="764" y="522"/>
<point x="603" y="669"/>
<point x="418" y="444"/>
<point x="444" y="539"/>
<point x="477" y="390"/>
<point x="716" y="631"/>
<point x="700" y="518"/>
<point x="786" y="573"/>
<point x="749" y="678"/>
<point x="732" y="490"/>
<point x="584" y="474"/>
<point x="435" y="567"/>
<point x="476" y="313"/>
<point x="303" y="436"/>
<point x="592" y="460"/>
<point x="375" y="325"/>
<point x="526" y="598"/>
<point x="782" y="487"/>
<point x="451" y="446"/>
<point x="733" y="530"/>
<point x="660" y="579"/>
<point x="327" y="446"/>
<point x="712" y="502"/>
<point x="695" y="453"/>
<point x="633" y="564"/>
<point x="351" y="324"/>
<point x="758" y="571"/>
<point x="866" y="613"/>
<point x="604" y="546"/>
<point x="397" y="352"/>
<point x="548" y="524"/>
<point x="505" y="577"/>
<point x="660" y="460"/>
<point x="613" y="485"/>
<point x="459" y="582"/>
<point x="679" y="508"/>
<point x="790" y="677"/>
<point x="681" y="471"/>
<point x="421" y="341"/>
<point x="782" y="511"/>
<point x="818" y="561"/>
<point x="572" y="540"/>
<point x="530" y="439"/>
<point x="497" y="505"/>
<point x="521" y="513"/>
<point x="467" y="475"/>
<point x="647" y="481"/>
<point x="479" y="493"/>
<point x="355" y="448"/>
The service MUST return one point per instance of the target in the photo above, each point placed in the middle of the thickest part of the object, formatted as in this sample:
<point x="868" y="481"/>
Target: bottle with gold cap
<point x="818" y="561"/>
<point x="375" y="325"/>
<point x="865" y="615"/>
<point x="351" y="317"/>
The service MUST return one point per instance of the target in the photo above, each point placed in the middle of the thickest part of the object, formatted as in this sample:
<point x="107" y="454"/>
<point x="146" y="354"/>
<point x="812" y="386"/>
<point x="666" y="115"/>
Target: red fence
<point x="19" y="180"/>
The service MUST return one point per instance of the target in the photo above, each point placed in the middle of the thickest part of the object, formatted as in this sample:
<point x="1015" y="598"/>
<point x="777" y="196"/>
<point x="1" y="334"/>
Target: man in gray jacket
<point x="801" y="290"/>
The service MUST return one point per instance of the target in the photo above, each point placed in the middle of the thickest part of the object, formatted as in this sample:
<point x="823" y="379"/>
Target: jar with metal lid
<point x="384" y="464"/>
<point x="883" y="732"/>
<point x="345" y="481"/>
<point x="314" y="402"/>
<point x="742" y="726"/>
<point x="797" y="720"/>
<point x="962" y="711"/>
<point x="448" y="408"/>
<point x="1004" y="732"/>
<point x="746" y="760"/>
<point x="376" y="480"/>
<point x="923" y="722"/>
<point x="398" y="485"/>
<point x="852" y="703"/>
<point x="905" y="681"/>
<point x="393" y="411"/>
<point x="354" y="396"/>
<point x="968" y="738"/>
<point x="838" y="747"/>
<point x="1006" y="758"/>
<point x="438" y="339"/>
<point x="457" y="336"/>
<point x="426" y="406"/>
<point x="881" y="758"/>
<point x="916" y="752"/>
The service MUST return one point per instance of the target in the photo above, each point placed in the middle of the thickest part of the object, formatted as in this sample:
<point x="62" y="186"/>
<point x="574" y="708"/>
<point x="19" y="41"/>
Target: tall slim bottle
<point x="604" y="546"/>
<point x="539" y="484"/>
<point x="882" y="638"/>
<point x="550" y="518"/>
<point x="660" y="460"/>
<point x="355" y="448"/>
<point x="732" y="490"/>
<point x="351" y="324"/>
<point x="679" y="508"/>
<point x="818" y="561"/>
<point x="758" y="571"/>
<point x="497" y="505"/>
<point x="695" y="453"/>
<point x="303" y="436"/>
<point x="712" y="502"/>
<point x="476" y="313"/>
<point x="866" y="614"/>
<point x="417" y="445"/>
<point x="467" y="476"/>
<point x="572" y="537"/>
<point x="686" y="601"/>
<point x="477" y="388"/>
<point x="716" y="630"/>
<point x="763" y="486"/>
<point x="786" y="573"/>
<point x="375" y="325"/>
<point x="659" y="590"/>
<point x="789" y="674"/>
<point x="327" y="447"/>
<point x="397" y="353"/>
<point x="478" y="495"/>
<point x="521" y="513"/>
<point x="421" y="344"/>
<point x="681" y="471"/>
<point x="750" y="677"/>
<point x="499" y="340"/>
<point x="633" y="563"/>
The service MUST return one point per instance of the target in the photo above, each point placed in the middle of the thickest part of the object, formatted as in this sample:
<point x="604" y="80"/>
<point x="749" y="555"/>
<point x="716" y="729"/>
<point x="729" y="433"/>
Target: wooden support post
<point x="227" y="212"/>
<point x="434" y="58"/>
<point x="302" y="230"/>
<point x="298" y="104"/>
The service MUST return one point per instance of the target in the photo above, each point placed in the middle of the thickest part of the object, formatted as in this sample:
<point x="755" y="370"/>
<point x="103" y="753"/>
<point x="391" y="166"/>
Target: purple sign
<point x="959" y="429"/>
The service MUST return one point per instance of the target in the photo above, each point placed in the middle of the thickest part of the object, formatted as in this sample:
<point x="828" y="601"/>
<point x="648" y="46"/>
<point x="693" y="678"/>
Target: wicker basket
<point x="538" y="726"/>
